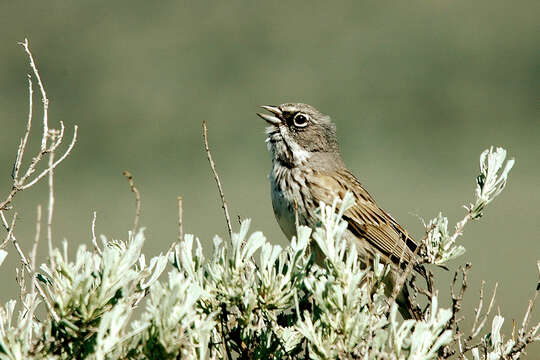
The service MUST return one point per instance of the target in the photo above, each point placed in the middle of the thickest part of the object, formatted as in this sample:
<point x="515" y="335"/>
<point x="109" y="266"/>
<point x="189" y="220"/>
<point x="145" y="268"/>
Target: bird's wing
<point x="366" y="220"/>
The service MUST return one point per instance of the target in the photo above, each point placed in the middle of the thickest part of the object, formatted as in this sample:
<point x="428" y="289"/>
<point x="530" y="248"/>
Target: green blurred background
<point x="418" y="89"/>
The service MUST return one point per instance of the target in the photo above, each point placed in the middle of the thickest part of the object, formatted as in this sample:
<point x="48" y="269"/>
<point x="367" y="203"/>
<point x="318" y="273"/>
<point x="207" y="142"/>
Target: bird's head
<point x="299" y="132"/>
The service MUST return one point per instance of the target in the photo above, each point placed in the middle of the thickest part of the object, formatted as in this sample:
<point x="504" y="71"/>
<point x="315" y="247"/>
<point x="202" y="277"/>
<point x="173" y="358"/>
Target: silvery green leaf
<point x="109" y="334"/>
<point x="490" y="182"/>
<point x="440" y="247"/>
<point x="254" y="243"/>
<point x="496" y="330"/>
<point x="157" y="265"/>
<point x="290" y="337"/>
<point x="300" y="241"/>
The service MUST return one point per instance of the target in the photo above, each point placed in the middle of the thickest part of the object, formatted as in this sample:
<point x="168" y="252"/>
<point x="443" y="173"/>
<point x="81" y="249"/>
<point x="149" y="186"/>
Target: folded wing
<point x="365" y="219"/>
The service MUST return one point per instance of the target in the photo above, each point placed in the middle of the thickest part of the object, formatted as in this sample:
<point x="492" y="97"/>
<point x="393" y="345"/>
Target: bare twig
<point x="460" y="226"/>
<point x="478" y="309"/>
<point x="527" y="335"/>
<point x="414" y="262"/>
<point x="532" y="301"/>
<point x="453" y="324"/>
<point x="10" y="229"/>
<point x="134" y="189"/>
<point x="400" y="282"/>
<point x="43" y="94"/>
<point x="33" y="254"/>
<point x="94" y="239"/>
<point x="417" y="262"/>
<point x="28" y="268"/>
<point x="51" y="139"/>
<point x="465" y="345"/>
<point x="180" y="220"/>
<point x="24" y="140"/>
<point x="23" y="182"/>
<point x="20" y="277"/>
<point x="480" y="321"/>
<point x="216" y="176"/>
<point x="457" y="297"/>
<point x="53" y="166"/>
<point x="50" y="208"/>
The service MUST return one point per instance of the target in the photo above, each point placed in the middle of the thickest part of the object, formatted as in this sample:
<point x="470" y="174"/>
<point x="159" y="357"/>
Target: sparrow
<point x="307" y="169"/>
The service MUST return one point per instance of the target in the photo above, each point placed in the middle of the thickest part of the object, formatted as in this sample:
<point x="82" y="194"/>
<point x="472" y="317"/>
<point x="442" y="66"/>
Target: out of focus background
<point x="417" y="89"/>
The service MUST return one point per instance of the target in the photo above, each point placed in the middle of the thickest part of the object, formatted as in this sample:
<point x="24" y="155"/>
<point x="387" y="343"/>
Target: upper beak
<point x="272" y="120"/>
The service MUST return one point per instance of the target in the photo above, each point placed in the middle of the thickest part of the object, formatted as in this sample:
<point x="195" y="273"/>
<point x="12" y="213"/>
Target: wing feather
<point x="366" y="219"/>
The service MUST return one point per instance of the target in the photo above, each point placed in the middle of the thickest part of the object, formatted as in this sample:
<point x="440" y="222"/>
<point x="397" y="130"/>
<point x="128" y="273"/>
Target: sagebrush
<point x="250" y="299"/>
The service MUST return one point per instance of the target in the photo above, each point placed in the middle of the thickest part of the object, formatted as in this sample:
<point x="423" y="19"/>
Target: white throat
<point x="284" y="149"/>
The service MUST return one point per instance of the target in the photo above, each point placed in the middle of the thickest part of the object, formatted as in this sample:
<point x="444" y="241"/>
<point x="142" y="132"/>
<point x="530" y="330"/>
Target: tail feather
<point x="405" y="305"/>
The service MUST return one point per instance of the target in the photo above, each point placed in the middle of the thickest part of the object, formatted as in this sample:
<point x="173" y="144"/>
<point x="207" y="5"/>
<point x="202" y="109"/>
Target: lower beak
<point x="271" y="119"/>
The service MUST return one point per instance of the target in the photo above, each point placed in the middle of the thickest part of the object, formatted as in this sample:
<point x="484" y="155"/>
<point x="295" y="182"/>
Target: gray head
<point x="299" y="133"/>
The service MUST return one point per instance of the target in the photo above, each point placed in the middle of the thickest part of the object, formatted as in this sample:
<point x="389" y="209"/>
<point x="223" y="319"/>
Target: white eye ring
<point x="300" y="120"/>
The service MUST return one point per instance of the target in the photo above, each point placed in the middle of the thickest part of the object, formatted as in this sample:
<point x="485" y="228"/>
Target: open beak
<point x="271" y="119"/>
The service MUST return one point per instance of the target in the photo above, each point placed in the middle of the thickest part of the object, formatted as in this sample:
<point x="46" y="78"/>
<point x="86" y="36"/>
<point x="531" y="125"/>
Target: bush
<point x="250" y="299"/>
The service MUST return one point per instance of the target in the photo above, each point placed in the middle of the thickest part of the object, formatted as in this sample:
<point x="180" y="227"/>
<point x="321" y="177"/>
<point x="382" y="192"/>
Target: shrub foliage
<point x="250" y="299"/>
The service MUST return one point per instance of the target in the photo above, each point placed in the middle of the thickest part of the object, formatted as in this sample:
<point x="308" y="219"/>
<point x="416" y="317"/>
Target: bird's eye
<point x="300" y="120"/>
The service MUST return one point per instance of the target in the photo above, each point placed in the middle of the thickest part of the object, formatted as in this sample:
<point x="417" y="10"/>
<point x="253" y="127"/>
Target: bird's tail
<point x="405" y="305"/>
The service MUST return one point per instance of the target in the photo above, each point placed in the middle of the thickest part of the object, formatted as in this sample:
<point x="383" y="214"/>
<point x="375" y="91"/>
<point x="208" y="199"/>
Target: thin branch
<point x="20" y="183"/>
<point x="134" y="189"/>
<point x="403" y="276"/>
<point x="479" y="320"/>
<point x="33" y="254"/>
<point x="27" y="265"/>
<point x="19" y="278"/>
<point x="453" y="324"/>
<point x="24" y="140"/>
<point x="478" y="308"/>
<point x="460" y="226"/>
<point x="525" y="337"/>
<point x="10" y="229"/>
<point x="57" y="136"/>
<point x="43" y="94"/>
<point x="94" y="239"/>
<point x="216" y="177"/>
<point x="56" y="163"/>
<point x="532" y="301"/>
<point x="50" y="207"/>
<point x="180" y="220"/>
<point x="457" y="298"/>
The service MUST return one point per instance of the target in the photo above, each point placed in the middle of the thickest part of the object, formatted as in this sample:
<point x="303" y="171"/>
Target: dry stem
<point x="51" y="139"/>
<point x="216" y="176"/>
<point x="33" y="254"/>
<point x="134" y="189"/>
<point x="24" y="140"/>
<point x="43" y="94"/>
<point x="50" y="208"/>
<point x="29" y="269"/>
<point x="180" y="220"/>
<point x="24" y="182"/>
<point x="400" y="282"/>
<point x="94" y="239"/>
